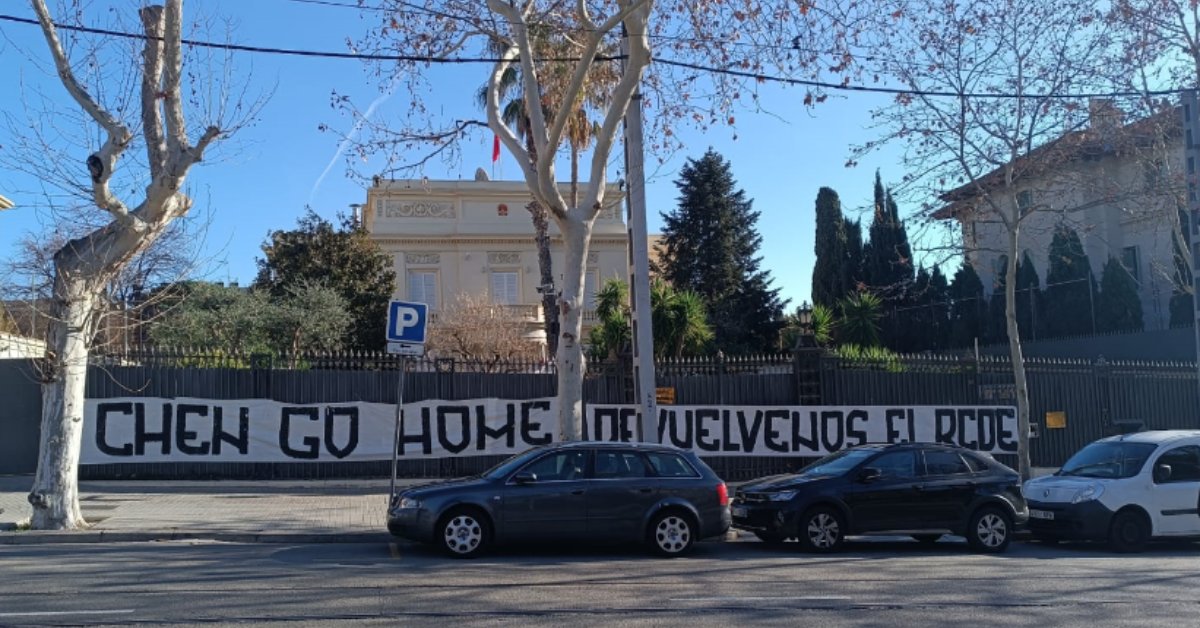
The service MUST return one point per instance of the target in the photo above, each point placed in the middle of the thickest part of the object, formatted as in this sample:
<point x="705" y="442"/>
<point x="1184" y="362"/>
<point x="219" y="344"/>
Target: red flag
<point x="495" y="148"/>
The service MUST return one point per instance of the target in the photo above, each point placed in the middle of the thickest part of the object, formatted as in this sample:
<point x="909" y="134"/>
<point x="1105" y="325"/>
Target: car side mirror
<point x="525" y="477"/>
<point x="869" y="474"/>
<point x="1162" y="473"/>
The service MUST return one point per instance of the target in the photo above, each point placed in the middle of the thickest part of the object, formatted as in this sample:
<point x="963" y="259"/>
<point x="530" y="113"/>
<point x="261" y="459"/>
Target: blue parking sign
<point x="406" y="322"/>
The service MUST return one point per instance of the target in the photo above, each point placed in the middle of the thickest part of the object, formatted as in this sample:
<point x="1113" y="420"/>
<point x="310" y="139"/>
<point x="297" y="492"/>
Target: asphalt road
<point x="721" y="584"/>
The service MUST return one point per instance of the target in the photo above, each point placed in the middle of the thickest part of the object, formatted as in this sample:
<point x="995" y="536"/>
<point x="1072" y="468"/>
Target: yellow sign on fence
<point x="664" y="396"/>
<point x="1056" y="420"/>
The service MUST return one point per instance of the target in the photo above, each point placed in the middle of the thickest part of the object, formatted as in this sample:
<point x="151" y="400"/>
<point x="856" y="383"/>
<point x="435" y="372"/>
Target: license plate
<point x="1041" y="514"/>
<point x="739" y="511"/>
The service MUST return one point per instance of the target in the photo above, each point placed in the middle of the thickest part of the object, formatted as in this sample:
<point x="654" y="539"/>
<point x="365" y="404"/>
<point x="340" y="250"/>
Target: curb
<point x="118" y="536"/>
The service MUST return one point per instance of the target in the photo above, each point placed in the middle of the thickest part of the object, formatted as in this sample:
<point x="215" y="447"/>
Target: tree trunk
<point x="541" y="227"/>
<point x="1014" y="349"/>
<point x="55" y="492"/>
<point x="577" y="235"/>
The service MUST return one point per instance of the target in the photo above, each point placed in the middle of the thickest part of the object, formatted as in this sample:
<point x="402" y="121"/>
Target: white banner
<point x="148" y="430"/>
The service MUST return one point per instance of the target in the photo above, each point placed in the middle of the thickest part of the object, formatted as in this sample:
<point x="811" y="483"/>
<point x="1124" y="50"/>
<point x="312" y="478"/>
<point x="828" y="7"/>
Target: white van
<point x="1124" y="490"/>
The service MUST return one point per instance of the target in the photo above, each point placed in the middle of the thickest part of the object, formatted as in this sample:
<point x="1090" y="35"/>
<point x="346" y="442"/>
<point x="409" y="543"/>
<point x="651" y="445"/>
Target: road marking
<point x="60" y="613"/>
<point x="394" y="549"/>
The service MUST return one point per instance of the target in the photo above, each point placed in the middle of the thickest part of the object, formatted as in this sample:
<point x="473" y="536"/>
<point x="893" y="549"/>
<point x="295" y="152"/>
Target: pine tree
<point x="1070" y="286"/>
<point x="710" y="247"/>
<point x="830" y="278"/>
<point x="967" y="307"/>
<point x="1118" y="307"/>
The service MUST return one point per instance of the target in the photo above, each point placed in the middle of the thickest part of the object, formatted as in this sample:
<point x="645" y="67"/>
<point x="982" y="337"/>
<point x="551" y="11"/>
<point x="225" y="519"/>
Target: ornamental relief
<point x="498" y="258"/>
<point x="592" y="258"/>
<point x="422" y="258"/>
<point x="396" y="208"/>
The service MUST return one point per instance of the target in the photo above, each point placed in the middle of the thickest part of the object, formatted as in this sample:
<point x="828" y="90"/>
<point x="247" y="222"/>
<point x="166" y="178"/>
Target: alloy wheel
<point x="823" y="531"/>
<point x="673" y="534"/>
<point x="463" y="534"/>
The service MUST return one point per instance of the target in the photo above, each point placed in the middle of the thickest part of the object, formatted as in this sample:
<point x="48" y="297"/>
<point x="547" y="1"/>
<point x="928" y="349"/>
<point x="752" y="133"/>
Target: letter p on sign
<point x="406" y="322"/>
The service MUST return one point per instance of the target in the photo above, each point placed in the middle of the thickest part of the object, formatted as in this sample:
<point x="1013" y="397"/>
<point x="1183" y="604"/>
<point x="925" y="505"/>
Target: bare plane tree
<point x="977" y="156"/>
<point x="86" y="265"/>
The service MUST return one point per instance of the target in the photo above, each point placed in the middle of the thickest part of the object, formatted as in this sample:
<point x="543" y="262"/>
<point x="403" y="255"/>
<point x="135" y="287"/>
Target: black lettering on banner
<point x="799" y="442"/>
<point x="890" y="416"/>
<point x="312" y="444"/>
<point x="966" y="415"/>
<point x="182" y="434"/>
<point x="241" y="440"/>
<point x="102" y="412"/>
<point x="529" y="427"/>
<point x="1006" y="439"/>
<point x="834" y="418"/>
<point x="750" y="437"/>
<point x="425" y="437"/>
<point x="600" y="416"/>
<point x="727" y="433"/>
<point x="464" y="417"/>
<point x="944" y="424"/>
<point x="856" y="436"/>
<point x="699" y="416"/>
<point x="628" y="418"/>
<point x="986" y="422"/>
<point x="668" y="420"/>
<point x="772" y="435"/>
<point x="508" y="430"/>
<point x="141" y="436"/>
<point x="331" y="413"/>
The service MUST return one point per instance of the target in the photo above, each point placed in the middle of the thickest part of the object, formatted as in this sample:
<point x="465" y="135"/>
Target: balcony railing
<point x="526" y="314"/>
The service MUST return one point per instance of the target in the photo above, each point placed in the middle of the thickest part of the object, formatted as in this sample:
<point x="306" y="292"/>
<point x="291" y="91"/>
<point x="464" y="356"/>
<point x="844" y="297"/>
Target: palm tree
<point x="680" y="320"/>
<point x="611" y="336"/>
<point x="859" y="323"/>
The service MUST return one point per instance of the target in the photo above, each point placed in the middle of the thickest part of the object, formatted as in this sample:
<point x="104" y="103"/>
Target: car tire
<point x="926" y="539"/>
<point x="671" y="533"/>
<point x="1128" y="532"/>
<point x="990" y="530"/>
<point x="463" y="533"/>
<point x="771" y="538"/>
<point x="822" y="530"/>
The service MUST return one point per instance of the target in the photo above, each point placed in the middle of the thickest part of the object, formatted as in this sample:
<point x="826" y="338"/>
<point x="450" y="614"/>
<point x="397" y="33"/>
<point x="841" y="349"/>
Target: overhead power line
<point x="830" y="85"/>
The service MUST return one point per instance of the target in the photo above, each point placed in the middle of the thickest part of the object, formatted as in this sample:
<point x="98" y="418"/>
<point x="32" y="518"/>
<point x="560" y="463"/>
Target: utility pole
<point x="1191" y="154"/>
<point x="639" y="266"/>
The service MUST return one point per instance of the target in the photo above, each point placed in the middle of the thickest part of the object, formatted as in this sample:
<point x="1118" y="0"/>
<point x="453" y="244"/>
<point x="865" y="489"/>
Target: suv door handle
<point x="577" y="491"/>
<point x="645" y="490"/>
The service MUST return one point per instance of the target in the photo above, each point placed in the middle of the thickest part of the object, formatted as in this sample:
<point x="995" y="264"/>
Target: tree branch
<point x="152" y="70"/>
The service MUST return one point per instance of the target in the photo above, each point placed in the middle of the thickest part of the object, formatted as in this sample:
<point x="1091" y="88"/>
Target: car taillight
<point x="722" y="494"/>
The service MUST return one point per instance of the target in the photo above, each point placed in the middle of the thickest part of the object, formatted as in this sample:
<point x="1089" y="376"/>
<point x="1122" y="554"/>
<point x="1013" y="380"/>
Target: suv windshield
<point x="1113" y="459"/>
<point x="839" y="463"/>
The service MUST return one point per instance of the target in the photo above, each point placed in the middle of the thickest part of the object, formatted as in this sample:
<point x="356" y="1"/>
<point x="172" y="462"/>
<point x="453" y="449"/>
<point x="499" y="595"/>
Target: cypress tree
<point x="710" y="247"/>
<point x="1183" y="312"/>
<point x="854" y="255"/>
<point x="830" y="279"/>
<point x="937" y="296"/>
<point x="967" y="306"/>
<point x="1029" y="300"/>
<point x="1118" y="307"/>
<point x="997" y="325"/>
<point x="1070" y="286"/>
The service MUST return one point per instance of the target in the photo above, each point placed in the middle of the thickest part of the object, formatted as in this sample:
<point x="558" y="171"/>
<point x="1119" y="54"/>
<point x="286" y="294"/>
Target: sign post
<point x="405" y="337"/>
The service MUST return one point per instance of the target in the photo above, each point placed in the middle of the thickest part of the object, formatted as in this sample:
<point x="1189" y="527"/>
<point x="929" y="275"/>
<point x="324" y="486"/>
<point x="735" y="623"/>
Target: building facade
<point x="451" y="238"/>
<point x="1112" y="187"/>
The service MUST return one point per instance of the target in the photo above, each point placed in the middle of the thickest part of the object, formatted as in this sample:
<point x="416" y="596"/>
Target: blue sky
<point x="266" y="175"/>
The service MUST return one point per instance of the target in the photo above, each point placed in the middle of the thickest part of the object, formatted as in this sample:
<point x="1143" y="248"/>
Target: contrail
<point x="345" y="143"/>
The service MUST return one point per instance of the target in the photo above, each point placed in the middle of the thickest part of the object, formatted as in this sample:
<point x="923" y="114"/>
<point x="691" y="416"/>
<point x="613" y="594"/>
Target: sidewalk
<point x="331" y="511"/>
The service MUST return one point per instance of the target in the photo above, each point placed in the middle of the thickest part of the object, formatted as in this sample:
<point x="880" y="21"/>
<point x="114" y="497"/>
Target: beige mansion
<point x="449" y="238"/>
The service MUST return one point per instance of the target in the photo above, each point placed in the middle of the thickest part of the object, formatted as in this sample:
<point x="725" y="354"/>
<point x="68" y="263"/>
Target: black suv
<point x="918" y="489"/>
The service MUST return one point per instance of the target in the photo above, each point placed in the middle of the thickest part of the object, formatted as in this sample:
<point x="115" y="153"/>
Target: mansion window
<point x="590" y="284"/>
<point x="1129" y="259"/>
<point x="422" y="287"/>
<point x="506" y="287"/>
<point x="1025" y="201"/>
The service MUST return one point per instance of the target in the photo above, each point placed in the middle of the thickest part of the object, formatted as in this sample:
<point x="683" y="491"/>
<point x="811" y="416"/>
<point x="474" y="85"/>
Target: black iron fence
<point x="1086" y="399"/>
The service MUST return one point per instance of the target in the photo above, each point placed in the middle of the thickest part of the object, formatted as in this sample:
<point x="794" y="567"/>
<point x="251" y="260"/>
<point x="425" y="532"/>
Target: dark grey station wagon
<point x="603" y="492"/>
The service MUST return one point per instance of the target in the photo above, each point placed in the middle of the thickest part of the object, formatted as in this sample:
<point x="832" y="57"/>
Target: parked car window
<point x="838" y="463"/>
<point x="976" y="463"/>
<point x="1108" y="459"/>
<point x="1184" y="462"/>
<point x="561" y="466"/>
<point x="619" y="464"/>
<point x="896" y="465"/>
<point x="944" y="463"/>
<point x="670" y="465"/>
